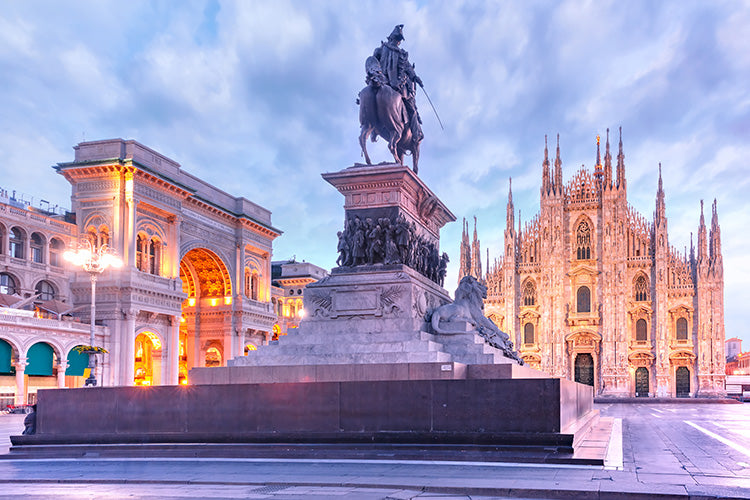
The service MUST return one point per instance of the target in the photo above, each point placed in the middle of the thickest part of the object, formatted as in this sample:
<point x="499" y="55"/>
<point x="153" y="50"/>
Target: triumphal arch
<point x="195" y="287"/>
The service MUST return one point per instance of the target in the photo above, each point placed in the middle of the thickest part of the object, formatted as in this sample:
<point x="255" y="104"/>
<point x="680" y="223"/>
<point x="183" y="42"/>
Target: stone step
<point x="298" y="338"/>
<point x="345" y="358"/>
<point x="347" y="347"/>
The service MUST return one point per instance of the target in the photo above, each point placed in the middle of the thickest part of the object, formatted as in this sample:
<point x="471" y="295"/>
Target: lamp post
<point x="94" y="260"/>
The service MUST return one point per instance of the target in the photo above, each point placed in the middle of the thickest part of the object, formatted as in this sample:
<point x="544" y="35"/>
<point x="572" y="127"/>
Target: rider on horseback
<point x="396" y="71"/>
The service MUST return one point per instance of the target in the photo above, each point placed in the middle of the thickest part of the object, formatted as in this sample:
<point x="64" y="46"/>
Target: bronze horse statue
<point x="382" y="113"/>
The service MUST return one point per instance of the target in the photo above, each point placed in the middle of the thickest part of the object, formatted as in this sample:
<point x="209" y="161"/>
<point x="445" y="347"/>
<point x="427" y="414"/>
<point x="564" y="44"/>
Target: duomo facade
<point x="592" y="291"/>
<point x="195" y="288"/>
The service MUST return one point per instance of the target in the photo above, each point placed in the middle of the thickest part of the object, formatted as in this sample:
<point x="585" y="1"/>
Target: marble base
<point x="371" y="317"/>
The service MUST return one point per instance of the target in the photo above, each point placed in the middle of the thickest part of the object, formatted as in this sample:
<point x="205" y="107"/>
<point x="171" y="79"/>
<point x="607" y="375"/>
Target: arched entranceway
<point x="41" y="369"/>
<point x="682" y="382"/>
<point x="584" y="369"/>
<point x="641" y="382"/>
<point x="147" y="359"/>
<point x="75" y="373"/>
<point x="206" y="313"/>
<point x="7" y="374"/>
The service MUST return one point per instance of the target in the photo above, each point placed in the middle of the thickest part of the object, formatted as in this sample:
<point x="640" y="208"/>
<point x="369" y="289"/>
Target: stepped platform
<point x="539" y="417"/>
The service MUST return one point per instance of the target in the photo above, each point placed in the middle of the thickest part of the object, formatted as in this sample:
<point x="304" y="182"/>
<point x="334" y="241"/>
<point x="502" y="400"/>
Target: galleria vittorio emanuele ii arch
<point x="195" y="288"/>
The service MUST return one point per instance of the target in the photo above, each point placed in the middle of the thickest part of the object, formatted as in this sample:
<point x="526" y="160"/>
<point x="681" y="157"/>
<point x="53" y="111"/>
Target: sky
<point x="258" y="98"/>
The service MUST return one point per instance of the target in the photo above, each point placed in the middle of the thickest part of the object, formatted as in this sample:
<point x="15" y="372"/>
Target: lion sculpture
<point x="467" y="306"/>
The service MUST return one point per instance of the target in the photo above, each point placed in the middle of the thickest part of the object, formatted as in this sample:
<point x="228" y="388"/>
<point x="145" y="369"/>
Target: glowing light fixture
<point x="93" y="260"/>
<point x="191" y="301"/>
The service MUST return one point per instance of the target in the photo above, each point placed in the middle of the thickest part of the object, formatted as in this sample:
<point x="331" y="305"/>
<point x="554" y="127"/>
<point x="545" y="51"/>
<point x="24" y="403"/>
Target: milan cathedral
<point x="590" y="290"/>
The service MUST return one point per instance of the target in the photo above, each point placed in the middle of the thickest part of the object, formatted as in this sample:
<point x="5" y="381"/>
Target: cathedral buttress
<point x="660" y="242"/>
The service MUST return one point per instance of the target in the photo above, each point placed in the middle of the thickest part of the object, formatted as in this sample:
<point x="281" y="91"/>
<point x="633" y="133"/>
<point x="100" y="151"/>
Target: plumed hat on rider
<point x="397" y="33"/>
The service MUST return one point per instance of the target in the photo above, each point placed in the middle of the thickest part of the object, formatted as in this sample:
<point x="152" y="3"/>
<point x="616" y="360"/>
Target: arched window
<point x="254" y="286"/>
<point x="91" y="235"/>
<point x="248" y="283"/>
<point x="103" y="236"/>
<point x="583" y="241"/>
<point x="641" y="335"/>
<point x="528" y="333"/>
<point x="37" y="248"/>
<point x="682" y="329"/>
<point x="140" y="252"/>
<point x="8" y="284"/>
<point x="529" y="293"/>
<point x="583" y="299"/>
<point x="641" y="288"/>
<point x="56" y="248"/>
<point x="154" y="256"/>
<point x="213" y="357"/>
<point x="15" y="244"/>
<point x="45" y="290"/>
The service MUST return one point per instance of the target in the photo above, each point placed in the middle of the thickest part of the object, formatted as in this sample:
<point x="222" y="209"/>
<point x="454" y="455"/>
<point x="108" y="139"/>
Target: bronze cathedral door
<point x="641" y="382"/>
<point x="682" y="382"/>
<point x="584" y="369"/>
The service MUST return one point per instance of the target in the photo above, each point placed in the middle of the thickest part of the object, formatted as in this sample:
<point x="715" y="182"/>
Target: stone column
<point x="61" y="366"/>
<point x="128" y="345"/>
<point x="241" y="341"/>
<point x="173" y="352"/>
<point x="20" y="382"/>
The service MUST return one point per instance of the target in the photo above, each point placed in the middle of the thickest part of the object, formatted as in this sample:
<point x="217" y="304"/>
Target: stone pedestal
<point x="374" y="312"/>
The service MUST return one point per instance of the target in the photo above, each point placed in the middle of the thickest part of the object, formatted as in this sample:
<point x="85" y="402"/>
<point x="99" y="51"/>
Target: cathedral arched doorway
<point x="682" y="382"/>
<point x="584" y="369"/>
<point x="641" y="382"/>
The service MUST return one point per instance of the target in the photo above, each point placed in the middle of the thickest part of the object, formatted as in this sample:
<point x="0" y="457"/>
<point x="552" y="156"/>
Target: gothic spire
<point x="607" y="165"/>
<point x="661" y="214"/>
<point x="510" y="211"/>
<point x="598" y="173"/>
<point x="558" y="168"/>
<point x="546" y="185"/>
<point x="621" y="183"/>
<point x="476" y="255"/>
<point x="702" y="243"/>
<point x="715" y="237"/>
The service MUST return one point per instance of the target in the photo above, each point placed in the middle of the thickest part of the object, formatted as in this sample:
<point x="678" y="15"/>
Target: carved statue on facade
<point x="467" y="307"/>
<point x="387" y="105"/>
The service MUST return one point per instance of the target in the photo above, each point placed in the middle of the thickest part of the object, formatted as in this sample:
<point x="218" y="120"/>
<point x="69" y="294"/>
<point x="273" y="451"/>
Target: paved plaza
<point x="668" y="451"/>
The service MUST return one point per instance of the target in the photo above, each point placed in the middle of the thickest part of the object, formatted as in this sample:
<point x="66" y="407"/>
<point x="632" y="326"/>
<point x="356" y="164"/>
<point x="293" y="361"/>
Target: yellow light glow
<point x="227" y="300"/>
<point x="182" y="319"/>
<point x="184" y="382"/>
<point x="191" y="301"/>
<point x="213" y="302"/>
<point x="129" y="187"/>
<point x="251" y="347"/>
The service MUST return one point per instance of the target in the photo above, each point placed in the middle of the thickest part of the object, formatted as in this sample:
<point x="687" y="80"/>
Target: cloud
<point x="258" y="98"/>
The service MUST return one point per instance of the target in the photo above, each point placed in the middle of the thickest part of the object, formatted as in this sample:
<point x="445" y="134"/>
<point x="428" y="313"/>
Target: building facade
<point x="290" y="279"/>
<point x="195" y="288"/>
<point x="592" y="291"/>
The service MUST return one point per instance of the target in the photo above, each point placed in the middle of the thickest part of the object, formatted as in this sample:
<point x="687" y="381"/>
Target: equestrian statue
<point x="387" y="105"/>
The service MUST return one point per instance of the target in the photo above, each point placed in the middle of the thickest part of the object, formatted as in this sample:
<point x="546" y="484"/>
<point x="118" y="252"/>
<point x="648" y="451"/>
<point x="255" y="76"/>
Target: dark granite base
<point x="521" y="412"/>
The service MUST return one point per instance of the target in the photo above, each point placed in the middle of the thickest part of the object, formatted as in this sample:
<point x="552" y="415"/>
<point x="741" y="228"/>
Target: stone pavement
<point x="668" y="451"/>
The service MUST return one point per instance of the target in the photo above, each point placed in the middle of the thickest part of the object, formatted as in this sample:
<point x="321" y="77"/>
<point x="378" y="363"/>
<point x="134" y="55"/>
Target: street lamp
<point x="93" y="260"/>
